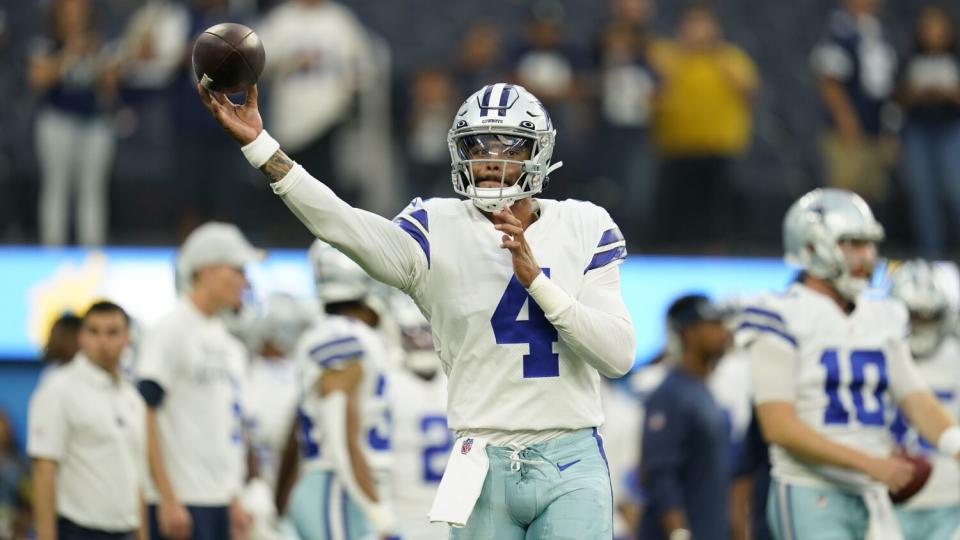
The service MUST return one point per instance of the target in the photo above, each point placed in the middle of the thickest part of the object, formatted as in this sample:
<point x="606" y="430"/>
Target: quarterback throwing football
<point x="523" y="296"/>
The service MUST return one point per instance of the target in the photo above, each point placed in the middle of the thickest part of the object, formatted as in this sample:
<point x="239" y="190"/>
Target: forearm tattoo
<point x="277" y="166"/>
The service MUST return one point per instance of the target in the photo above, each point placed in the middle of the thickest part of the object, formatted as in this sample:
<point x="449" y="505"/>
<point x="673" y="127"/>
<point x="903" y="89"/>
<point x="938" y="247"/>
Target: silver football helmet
<point x="813" y="229"/>
<point x="337" y="277"/>
<point x="501" y="126"/>
<point x="915" y="284"/>
<point x="281" y="321"/>
<point x="416" y="337"/>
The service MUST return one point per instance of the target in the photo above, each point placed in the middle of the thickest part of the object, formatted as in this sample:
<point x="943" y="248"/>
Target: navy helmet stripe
<point x="485" y="101"/>
<point x="504" y="99"/>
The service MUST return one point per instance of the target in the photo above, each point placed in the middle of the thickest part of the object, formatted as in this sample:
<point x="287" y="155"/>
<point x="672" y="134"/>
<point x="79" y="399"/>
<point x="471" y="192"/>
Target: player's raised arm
<point x="381" y="247"/>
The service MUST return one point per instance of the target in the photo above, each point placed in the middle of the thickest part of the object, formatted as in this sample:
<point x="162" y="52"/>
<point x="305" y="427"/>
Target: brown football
<point x="228" y="58"/>
<point x="921" y="473"/>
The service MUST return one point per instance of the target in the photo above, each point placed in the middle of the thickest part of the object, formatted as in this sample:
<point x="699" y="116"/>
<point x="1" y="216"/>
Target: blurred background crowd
<point x="694" y="123"/>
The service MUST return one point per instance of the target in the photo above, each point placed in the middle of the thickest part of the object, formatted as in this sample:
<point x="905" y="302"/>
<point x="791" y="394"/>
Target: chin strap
<point x="553" y="167"/>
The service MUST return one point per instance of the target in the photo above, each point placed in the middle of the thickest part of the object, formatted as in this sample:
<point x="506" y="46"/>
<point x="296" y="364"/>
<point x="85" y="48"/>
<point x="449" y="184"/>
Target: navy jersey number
<point x="435" y="455"/>
<point x="308" y="445"/>
<point x="378" y="437"/>
<point x="836" y="413"/>
<point x="536" y="331"/>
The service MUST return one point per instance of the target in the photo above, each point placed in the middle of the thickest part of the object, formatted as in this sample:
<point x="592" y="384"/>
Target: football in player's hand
<point x="921" y="473"/>
<point x="228" y="58"/>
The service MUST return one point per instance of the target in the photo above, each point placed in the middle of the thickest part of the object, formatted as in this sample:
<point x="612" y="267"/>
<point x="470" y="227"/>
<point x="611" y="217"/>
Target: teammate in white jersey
<point x="272" y="390"/>
<point x="827" y="363"/>
<point x="934" y="512"/>
<point x="343" y="415"/>
<point x="523" y="375"/>
<point x="421" y="439"/>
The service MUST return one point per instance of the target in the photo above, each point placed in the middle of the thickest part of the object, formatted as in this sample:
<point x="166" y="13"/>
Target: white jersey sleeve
<point x="771" y="349"/>
<point x="596" y="324"/>
<point x="396" y="253"/>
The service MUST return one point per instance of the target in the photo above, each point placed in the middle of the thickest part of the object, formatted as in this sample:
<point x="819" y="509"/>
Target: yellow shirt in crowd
<point x="698" y="110"/>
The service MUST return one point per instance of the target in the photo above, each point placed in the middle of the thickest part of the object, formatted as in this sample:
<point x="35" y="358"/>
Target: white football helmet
<point x="915" y="284"/>
<point x="416" y="337"/>
<point x="281" y="321"/>
<point x="499" y="125"/>
<point x="337" y="277"/>
<point x="815" y="225"/>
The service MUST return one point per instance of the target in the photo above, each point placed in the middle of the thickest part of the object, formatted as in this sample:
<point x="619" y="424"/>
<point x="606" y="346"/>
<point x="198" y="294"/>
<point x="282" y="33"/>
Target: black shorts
<point x="209" y="522"/>
<point x="68" y="530"/>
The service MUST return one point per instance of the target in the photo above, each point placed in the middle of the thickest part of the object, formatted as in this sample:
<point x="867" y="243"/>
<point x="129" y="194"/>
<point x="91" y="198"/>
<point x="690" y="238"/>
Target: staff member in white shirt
<point x="86" y="438"/>
<point x="190" y="372"/>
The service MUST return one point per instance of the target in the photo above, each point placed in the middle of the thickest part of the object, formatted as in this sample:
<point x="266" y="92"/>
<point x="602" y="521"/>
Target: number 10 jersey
<point x="845" y="376"/>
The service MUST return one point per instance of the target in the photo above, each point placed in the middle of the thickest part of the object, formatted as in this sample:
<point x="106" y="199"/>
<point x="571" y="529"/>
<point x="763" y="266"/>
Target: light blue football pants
<point x="556" y="490"/>
<point x="320" y="509"/>
<point x="808" y="513"/>
<point x="932" y="524"/>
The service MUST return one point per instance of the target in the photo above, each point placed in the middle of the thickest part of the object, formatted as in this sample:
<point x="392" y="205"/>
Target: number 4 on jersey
<point x="536" y="331"/>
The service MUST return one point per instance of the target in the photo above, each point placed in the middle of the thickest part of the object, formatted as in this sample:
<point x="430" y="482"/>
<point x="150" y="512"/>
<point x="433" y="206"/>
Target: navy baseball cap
<point x="691" y="309"/>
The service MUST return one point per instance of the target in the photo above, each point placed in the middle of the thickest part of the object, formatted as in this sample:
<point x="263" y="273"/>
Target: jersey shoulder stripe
<point x="415" y="221"/>
<point x="605" y="258"/>
<point x="326" y="354"/>
<point x="610" y="236"/>
<point x="764" y="328"/>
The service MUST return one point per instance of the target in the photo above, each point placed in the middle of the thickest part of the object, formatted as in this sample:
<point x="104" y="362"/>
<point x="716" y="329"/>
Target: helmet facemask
<point x="514" y="163"/>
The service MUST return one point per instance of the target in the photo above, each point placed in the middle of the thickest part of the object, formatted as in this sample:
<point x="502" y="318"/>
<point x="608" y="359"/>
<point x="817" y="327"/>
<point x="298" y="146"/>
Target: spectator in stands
<point x="855" y="65"/>
<point x="62" y="343"/>
<point x="191" y="372"/>
<point x="75" y="77"/>
<point x="547" y="64"/>
<point x="316" y="48"/>
<point x="480" y="57"/>
<point x="702" y="124"/>
<point x="433" y="101"/>
<point x="14" y="484"/>
<point x="86" y="438"/>
<point x="684" y="468"/>
<point x="930" y="94"/>
<point x="625" y="85"/>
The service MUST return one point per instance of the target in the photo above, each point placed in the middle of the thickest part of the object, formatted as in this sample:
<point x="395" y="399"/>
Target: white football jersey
<point x="270" y="403"/>
<point x="730" y="385"/>
<point x="942" y="372"/>
<point x="507" y="368"/>
<point x="327" y="344"/>
<point x="848" y="372"/>
<point x="422" y="445"/>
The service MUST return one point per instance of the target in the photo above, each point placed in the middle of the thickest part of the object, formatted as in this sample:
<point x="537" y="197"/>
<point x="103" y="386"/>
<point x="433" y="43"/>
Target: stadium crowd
<point x="684" y="118"/>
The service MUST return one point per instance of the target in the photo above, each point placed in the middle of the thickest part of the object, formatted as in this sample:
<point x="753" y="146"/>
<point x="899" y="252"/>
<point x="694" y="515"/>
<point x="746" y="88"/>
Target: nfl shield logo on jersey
<point x="467" y="445"/>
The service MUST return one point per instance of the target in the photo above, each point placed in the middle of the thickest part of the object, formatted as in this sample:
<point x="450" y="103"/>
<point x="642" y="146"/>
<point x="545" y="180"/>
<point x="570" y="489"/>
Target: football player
<point x="827" y="362"/>
<point x="934" y="512"/>
<point x="421" y="440"/>
<point x="523" y="298"/>
<point x="343" y="418"/>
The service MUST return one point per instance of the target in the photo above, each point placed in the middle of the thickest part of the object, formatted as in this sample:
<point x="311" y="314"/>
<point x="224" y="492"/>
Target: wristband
<point x="551" y="298"/>
<point x="949" y="442"/>
<point x="260" y="149"/>
<point x="381" y="517"/>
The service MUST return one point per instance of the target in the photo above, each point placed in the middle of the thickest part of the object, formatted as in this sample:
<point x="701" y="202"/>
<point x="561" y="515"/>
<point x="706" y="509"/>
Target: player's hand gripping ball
<point x="228" y="58"/>
<point x="921" y="473"/>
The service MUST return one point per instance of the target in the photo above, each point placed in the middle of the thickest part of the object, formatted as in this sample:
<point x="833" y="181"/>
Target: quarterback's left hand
<point x="524" y="265"/>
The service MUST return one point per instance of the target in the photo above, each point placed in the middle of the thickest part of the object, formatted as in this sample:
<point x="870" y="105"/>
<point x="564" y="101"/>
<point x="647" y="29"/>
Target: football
<point x="228" y="58"/>
<point x="921" y="473"/>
